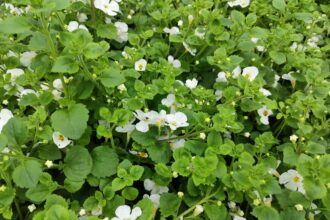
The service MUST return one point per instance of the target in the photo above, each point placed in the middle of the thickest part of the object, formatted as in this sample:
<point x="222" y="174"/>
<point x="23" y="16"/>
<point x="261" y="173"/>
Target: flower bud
<point x="198" y="210"/>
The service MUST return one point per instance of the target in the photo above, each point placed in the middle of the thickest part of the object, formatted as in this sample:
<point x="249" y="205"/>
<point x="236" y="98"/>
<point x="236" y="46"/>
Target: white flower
<point x="237" y="217"/>
<point x="175" y="144"/>
<point x="32" y="207"/>
<point x="14" y="74"/>
<point x="23" y="92"/>
<point x="276" y="79"/>
<point x="127" y="128"/>
<point x="289" y="77"/>
<point x="82" y="17"/>
<point x="56" y="94"/>
<point x="236" y="72"/>
<point x="202" y="135"/>
<point x="122" y="88"/>
<point x="242" y="3"/>
<point x="250" y="73"/>
<point x="192" y="51"/>
<point x="180" y="23"/>
<point x="160" y="118"/>
<point x="49" y="163"/>
<point x="170" y="102"/>
<point x="5" y="115"/>
<point x="273" y="171"/>
<point x="27" y="57"/>
<point x="312" y="42"/>
<point x="265" y="92"/>
<point x="146" y="118"/>
<point x="191" y="83"/>
<point x="298" y="47"/>
<point x="154" y="198"/>
<point x="151" y="186"/>
<point x="218" y="94"/>
<point x="264" y="113"/>
<point x="198" y="210"/>
<point x="74" y="25"/>
<point x="97" y="211"/>
<point x="200" y="32"/>
<point x="176" y="120"/>
<point x="293" y="138"/>
<point x="111" y="8"/>
<point x="123" y="212"/>
<point x="140" y="65"/>
<point x="122" y="34"/>
<point x="176" y="63"/>
<point x="60" y="140"/>
<point x="82" y="212"/>
<point x="221" y="77"/>
<point x="255" y="40"/>
<point x="292" y="180"/>
<point x="261" y="48"/>
<point x="139" y="153"/>
<point x="172" y="31"/>
<point x="57" y="84"/>
<point x="299" y="207"/>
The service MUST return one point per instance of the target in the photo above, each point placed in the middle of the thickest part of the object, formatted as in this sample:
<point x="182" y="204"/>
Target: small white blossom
<point x="140" y="65"/>
<point x="146" y="119"/>
<point x="49" y="163"/>
<point x="299" y="207"/>
<point x="218" y="94"/>
<point x="190" y="18"/>
<point x="261" y="48"/>
<point x="122" y="32"/>
<point x="111" y="8"/>
<point x="14" y="74"/>
<point x="172" y="31"/>
<point x="293" y="138"/>
<point x="289" y="77"/>
<point x="151" y="186"/>
<point x="74" y="25"/>
<point x="32" y="207"/>
<point x="265" y="92"/>
<point x="200" y="32"/>
<point x="5" y="115"/>
<point x="97" y="211"/>
<point x="154" y="198"/>
<point x="276" y="79"/>
<point x="122" y="88"/>
<point x="60" y="140"/>
<point x="175" y="144"/>
<point x="221" y="77"/>
<point x="124" y="212"/>
<point x="175" y="62"/>
<point x="255" y="40"/>
<point x="250" y="73"/>
<point x="292" y="180"/>
<point x="236" y="72"/>
<point x="82" y="17"/>
<point x="27" y="57"/>
<point x="198" y="210"/>
<point x="176" y="120"/>
<point x="160" y="118"/>
<point x="241" y="3"/>
<point x="237" y="217"/>
<point x="264" y="113"/>
<point x="192" y="51"/>
<point x="191" y="83"/>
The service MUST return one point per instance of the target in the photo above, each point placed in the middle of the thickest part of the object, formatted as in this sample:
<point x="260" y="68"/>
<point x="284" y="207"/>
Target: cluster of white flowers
<point x="74" y="25"/>
<point x="122" y="31"/>
<point x="15" y="10"/>
<point x="110" y="8"/>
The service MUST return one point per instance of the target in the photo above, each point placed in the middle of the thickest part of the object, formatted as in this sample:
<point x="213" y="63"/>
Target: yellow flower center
<point x="296" y="179"/>
<point x="248" y="76"/>
<point x="140" y="66"/>
<point x="265" y="113"/>
<point x="61" y="137"/>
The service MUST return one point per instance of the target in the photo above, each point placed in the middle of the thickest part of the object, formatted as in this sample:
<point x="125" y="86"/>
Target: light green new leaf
<point x="15" y="25"/>
<point x="27" y="174"/>
<point x="71" y="122"/>
<point x="112" y="78"/>
<point x="94" y="50"/>
<point x="277" y="57"/>
<point x="169" y="204"/>
<point x="77" y="163"/>
<point x="65" y="64"/>
<point x="105" y="161"/>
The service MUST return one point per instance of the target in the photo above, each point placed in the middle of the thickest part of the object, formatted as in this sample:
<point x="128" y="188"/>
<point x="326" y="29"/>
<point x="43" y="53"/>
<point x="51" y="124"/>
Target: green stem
<point x="21" y="157"/>
<point x="48" y="36"/>
<point x="111" y="138"/>
<point x="186" y="135"/>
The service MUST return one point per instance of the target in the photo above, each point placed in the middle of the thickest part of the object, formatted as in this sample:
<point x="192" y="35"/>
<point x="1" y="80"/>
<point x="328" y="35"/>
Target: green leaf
<point x="169" y="204"/>
<point x="314" y="189"/>
<point x="27" y="174"/>
<point x="15" y="25"/>
<point x="40" y="192"/>
<point x="108" y="31"/>
<point x="315" y="148"/>
<point x="77" y="163"/>
<point x="160" y="153"/>
<point x="56" y="4"/>
<point x="105" y="161"/>
<point x="112" y="78"/>
<point x="65" y="64"/>
<point x="71" y="122"/>
<point x="215" y="212"/>
<point x="55" y="199"/>
<point x="7" y="196"/>
<point x="3" y="141"/>
<point x="277" y="57"/>
<point x="130" y="193"/>
<point x="94" y="50"/>
<point x="38" y="42"/>
<point x="279" y="4"/>
<point x="16" y="132"/>
<point x="265" y="213"/>
<point x="147" y="209"/>
<point x="73" y="186"/>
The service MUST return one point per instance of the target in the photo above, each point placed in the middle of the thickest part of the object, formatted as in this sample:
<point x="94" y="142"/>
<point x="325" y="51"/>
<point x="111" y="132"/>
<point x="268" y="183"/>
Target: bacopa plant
<point x="164" y="109"/>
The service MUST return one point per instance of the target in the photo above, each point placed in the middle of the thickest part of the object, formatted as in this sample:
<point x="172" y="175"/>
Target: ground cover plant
<point x="164" y="109"/>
